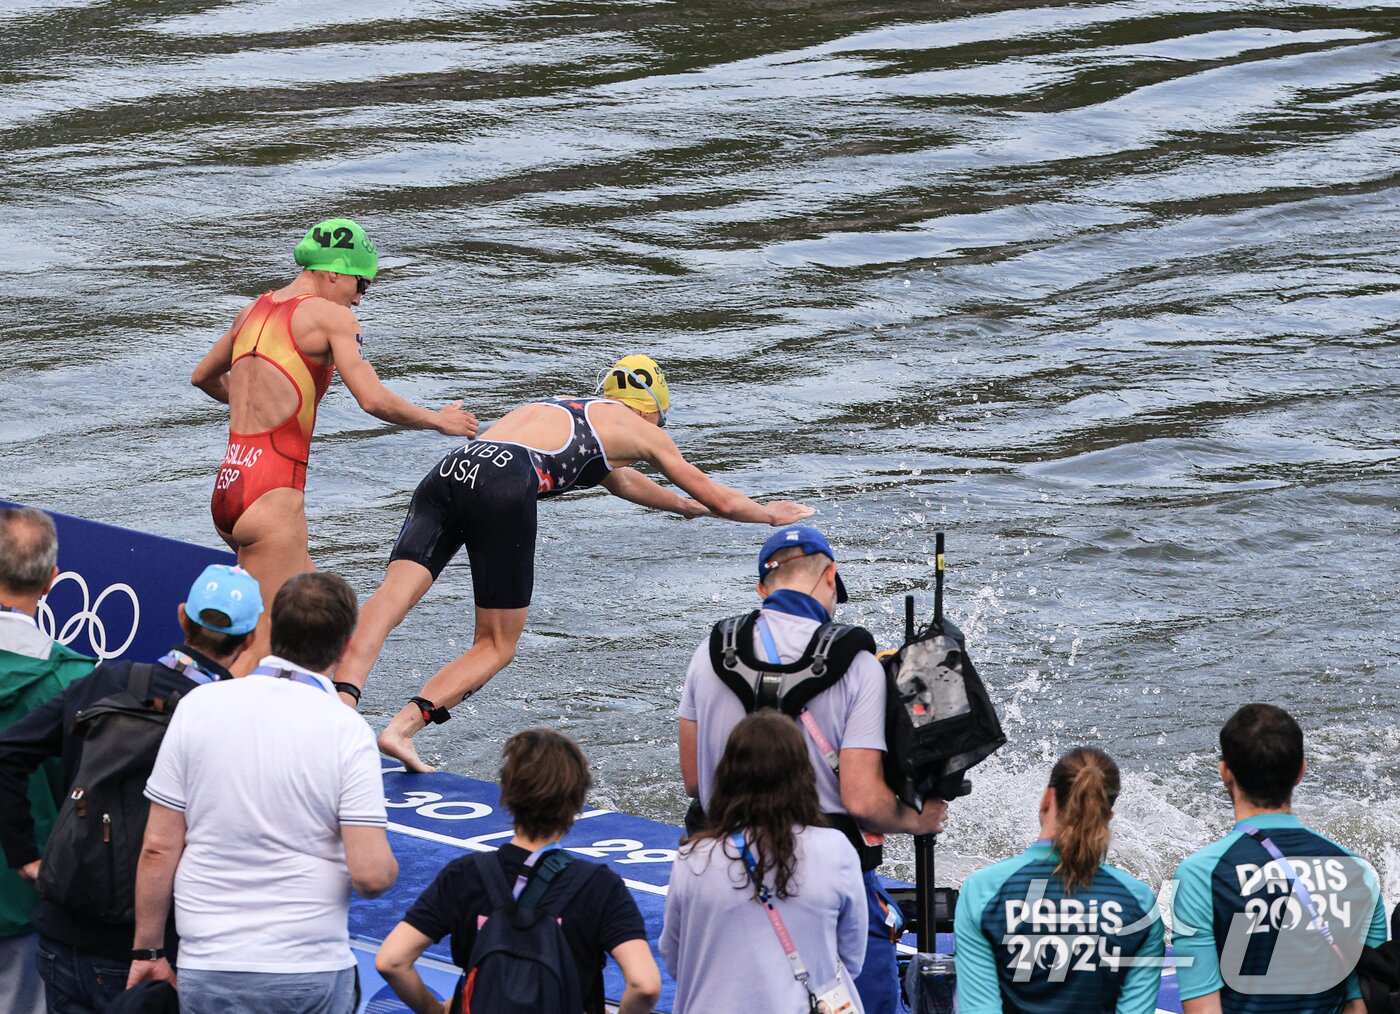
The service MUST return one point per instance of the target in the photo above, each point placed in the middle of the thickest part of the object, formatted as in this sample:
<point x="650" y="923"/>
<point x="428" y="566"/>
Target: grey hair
<point x="28" y="550"/>
<point x="794" y="562"/>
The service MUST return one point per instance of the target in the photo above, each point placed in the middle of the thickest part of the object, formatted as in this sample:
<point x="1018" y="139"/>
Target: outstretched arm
<point x="633" y="486"/>
<point x="378" y="400"/>
<point x="721" y="501"/>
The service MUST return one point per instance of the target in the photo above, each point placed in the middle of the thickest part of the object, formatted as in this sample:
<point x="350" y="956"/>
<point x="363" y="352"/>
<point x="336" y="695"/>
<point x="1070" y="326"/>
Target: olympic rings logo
<point x="88" y="616"/>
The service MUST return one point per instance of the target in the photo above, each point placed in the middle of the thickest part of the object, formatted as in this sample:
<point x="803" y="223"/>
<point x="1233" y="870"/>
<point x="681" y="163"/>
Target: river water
<point x="1107" y="292"/>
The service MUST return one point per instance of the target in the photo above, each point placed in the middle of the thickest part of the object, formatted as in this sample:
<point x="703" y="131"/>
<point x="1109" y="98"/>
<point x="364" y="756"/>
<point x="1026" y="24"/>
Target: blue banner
<point x="117" y="589"/>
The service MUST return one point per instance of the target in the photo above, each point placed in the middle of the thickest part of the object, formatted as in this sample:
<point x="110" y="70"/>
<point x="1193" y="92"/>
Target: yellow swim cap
<point x="638" y="382"/>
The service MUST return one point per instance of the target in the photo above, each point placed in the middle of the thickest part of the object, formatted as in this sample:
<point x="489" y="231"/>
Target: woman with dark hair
<point x="544" y="779"/>
<point x="766" y="910"/>
<point x="1057" y="928"/>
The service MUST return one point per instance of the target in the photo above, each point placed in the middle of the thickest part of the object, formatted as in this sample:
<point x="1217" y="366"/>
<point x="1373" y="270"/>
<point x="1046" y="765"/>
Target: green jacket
<point x="30" y="674"/>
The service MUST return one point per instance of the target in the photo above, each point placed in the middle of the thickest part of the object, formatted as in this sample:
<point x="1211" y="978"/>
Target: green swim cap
<point x="338" y="245"/>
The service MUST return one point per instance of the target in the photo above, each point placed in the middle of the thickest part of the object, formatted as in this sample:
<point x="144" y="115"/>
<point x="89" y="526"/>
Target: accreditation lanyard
<point x="289" y="674"/>
<point x="530" y="862"/>
<point x="188" y="667"/>
<point x="1299" y="888"/>
<point x="770" y="647"/>
<point x="765" y="898"/>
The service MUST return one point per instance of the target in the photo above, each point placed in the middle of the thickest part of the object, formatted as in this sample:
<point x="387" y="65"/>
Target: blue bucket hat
<point x="803" y="537"/>
<point x="230" y="590"/>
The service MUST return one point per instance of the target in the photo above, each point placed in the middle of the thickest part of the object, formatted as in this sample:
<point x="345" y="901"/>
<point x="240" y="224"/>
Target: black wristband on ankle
<point x="348" y="688"/>
<point x="431" y="713"/>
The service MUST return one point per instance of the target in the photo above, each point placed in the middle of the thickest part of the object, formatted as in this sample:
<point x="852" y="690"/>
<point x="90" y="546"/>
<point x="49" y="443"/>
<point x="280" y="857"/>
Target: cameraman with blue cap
<point x="83" y="960"/>
<point x="789" y="655"/>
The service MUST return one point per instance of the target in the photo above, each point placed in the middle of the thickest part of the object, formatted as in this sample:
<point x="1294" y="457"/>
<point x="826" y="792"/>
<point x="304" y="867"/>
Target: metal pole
<point x="924" y="844"/>
<point x="923" y="891"/>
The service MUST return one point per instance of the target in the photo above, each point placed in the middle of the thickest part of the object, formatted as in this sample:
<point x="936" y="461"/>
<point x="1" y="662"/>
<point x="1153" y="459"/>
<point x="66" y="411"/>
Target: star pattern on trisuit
<point x="580" y="463"/>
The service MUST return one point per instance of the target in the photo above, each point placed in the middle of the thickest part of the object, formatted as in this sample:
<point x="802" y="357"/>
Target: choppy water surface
<point x="1106" y="291"/>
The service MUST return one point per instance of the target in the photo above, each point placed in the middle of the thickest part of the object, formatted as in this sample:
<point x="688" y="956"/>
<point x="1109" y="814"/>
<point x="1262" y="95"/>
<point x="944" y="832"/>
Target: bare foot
<point x="396" y="741"/>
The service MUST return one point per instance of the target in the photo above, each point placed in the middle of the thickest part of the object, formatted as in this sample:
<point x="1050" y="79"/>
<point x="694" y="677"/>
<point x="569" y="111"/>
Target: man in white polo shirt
<point x="267" y="806"/>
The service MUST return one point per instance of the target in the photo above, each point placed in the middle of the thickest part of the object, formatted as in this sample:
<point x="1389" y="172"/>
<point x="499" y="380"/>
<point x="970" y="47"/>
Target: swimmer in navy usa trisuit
<point x="483" y="496"/>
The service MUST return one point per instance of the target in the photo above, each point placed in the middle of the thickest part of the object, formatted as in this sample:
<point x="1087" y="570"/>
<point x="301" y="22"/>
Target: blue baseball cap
<point x="802" y="537"/>
<point x="230" y="590"/>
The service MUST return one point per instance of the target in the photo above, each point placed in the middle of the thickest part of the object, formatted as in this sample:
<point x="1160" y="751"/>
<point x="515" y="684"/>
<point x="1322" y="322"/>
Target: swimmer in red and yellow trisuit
<point x="271" y="368"/>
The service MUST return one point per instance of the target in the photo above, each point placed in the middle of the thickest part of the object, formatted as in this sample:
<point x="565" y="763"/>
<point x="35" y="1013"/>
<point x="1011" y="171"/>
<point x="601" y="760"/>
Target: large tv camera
<point x="939" y="721"/>
<point x="939" y="724"/>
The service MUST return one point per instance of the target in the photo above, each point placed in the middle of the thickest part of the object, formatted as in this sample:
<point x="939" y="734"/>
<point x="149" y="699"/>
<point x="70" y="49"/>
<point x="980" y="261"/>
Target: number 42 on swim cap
<point x="339" y="245"/>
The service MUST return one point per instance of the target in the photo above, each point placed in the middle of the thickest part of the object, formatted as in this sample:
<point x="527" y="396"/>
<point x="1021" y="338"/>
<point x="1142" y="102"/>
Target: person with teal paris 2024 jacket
<point x="1271" y="919"/>
<point x="1056" y="929"/>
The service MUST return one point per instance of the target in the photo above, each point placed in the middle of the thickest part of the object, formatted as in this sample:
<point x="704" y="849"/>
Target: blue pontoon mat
<point x="435" y="818"/>
<point x="116" y="596"/>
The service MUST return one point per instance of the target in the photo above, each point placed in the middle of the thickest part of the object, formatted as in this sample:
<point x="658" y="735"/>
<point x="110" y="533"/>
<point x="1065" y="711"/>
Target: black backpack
<point x="786" y="686"/>
<point x="1379" y="971"/>
<point x="521" y="962"/>
<point x="89" y="865"/>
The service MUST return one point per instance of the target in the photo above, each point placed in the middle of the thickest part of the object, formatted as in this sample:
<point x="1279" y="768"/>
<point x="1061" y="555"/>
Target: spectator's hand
<point x="931" y="820"/>
<point x="151" y="971"/>
<point x="785" y="512"/>
<point x="30" y="871"/>
<point x="454" y="421"/>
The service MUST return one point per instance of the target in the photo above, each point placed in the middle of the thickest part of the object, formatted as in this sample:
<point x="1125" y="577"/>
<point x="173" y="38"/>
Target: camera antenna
<point x="938" y="584"/>
<point x="908" y="618"/>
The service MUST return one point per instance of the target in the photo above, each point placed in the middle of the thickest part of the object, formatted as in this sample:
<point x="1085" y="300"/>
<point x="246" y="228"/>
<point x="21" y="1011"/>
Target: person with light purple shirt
<point x="766" y="908"/>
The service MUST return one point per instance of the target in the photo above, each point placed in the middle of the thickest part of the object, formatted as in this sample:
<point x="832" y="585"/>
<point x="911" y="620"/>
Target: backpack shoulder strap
<point x="837" y="644"/>
<point x="493" y="878"/>
<point x="570" y="881"/>
<point x="549" y="868"/>
<point x="831" y="651"/>
<point x="725" y="659"/>
<point x="138" y="685"/>
<point x="138" y="681"/>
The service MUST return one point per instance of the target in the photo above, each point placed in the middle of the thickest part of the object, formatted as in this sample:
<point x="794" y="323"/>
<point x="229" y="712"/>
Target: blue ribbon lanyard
<point x="530" y="863"/>
<point x="770" y="646"/>
<point x="288" y="674"/>
<point x="187" y="667"/>
<point x="1299" y="888"/>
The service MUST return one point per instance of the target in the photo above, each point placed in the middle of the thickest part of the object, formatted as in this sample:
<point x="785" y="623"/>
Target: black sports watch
<point x="147" y="953"/>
